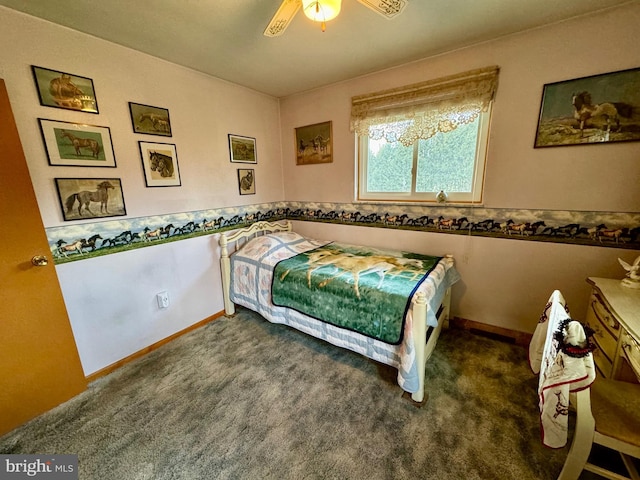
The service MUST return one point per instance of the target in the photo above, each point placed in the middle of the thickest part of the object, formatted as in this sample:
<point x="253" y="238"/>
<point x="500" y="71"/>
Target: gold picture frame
<point x="314" y="144"/>
<point x="64" y="90"/>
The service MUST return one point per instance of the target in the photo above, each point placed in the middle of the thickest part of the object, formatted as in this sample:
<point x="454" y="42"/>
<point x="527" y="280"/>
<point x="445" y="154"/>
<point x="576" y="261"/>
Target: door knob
<point x="40" y="261"/>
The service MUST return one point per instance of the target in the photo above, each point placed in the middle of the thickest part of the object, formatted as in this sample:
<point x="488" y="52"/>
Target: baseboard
<point x="491" y="331"/>
<point x="114" y="366"/>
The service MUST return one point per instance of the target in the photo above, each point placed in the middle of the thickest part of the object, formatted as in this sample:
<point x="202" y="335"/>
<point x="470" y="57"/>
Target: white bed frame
<point x="424" y="348"/>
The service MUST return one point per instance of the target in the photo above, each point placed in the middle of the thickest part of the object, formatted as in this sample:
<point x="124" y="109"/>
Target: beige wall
<point x="111" y="299"/>
<point x="203" y="111"/>
<point x="505" y="283"/>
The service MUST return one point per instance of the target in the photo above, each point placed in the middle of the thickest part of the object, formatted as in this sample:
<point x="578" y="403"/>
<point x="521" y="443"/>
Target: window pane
<point x="389" y="167"/>
<point x="446" y="161"/>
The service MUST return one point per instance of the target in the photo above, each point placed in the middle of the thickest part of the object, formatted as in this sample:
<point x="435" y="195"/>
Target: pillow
<point x="258" y="246"/>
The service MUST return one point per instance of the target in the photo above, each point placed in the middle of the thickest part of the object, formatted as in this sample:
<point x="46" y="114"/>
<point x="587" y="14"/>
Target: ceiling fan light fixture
<point x="321" y="10"/>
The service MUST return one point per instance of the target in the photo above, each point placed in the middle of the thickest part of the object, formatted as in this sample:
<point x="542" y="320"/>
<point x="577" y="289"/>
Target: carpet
<point x="241" y="398"/>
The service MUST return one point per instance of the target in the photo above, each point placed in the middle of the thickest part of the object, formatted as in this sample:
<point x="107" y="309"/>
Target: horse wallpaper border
<point x="65" y="90"/>
<point x="595" y="229"/>
<point x="66" y="147"/>
<point x="77" y="197"/>
<point x="242" y="149"/>
<point x="160" y="164"/>
<point x="568" y="116"/>
<point x="150" y="120"/>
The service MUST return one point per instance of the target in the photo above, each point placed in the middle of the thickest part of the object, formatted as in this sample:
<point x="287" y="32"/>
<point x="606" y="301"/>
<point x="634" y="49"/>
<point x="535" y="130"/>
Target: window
<point x="416" y="141"/>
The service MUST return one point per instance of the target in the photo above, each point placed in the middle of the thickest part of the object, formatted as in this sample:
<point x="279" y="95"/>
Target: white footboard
<point x="423" y="347"/>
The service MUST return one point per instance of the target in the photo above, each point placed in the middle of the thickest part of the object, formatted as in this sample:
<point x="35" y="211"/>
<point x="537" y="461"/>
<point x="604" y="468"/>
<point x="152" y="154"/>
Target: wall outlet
<point x="163" y="300"/>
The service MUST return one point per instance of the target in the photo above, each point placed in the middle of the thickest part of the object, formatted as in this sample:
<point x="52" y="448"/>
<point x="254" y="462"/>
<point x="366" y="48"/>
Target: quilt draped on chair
<point x="560" y="350"/>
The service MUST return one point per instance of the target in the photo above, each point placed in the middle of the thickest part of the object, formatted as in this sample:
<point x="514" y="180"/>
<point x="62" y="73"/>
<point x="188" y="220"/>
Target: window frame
<point x="474" y="197"/>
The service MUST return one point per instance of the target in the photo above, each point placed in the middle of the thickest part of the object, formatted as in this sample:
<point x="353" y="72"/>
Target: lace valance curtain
<point x="419" y="111"/>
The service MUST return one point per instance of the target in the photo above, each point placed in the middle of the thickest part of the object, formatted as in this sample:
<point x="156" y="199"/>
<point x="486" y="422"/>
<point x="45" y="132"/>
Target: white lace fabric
<point x="419" y="111"/>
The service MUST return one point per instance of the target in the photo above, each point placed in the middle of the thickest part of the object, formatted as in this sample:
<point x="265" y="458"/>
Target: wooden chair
<point x="608" y="414"/>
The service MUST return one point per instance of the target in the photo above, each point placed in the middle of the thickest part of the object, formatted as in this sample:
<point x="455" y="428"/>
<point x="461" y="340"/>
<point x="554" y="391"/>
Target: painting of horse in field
<point x="84" y="198"/>
<point x="77" y="145"/>
<point x="598" y="109"/>
<point x="150" y="120"/>
<point x="242" y="149"/>
<point x="313" y="144"/>
<point x="64" y="90"/>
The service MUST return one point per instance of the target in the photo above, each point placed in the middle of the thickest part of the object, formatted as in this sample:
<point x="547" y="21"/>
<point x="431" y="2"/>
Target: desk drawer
<point x="605" y="326"/>
<point x="631" y="351"/>
<point x="603" y="365"/>
<point x="601" y="311"/>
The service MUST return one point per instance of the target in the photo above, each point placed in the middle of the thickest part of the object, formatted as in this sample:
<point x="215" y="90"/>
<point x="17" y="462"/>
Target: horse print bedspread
<point x="358" y="288"/>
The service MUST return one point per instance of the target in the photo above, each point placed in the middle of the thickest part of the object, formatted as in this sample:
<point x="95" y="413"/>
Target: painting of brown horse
<point x="589" y="110"/>
<point x="82" y="142"/>
<point x="78" y="196"/>
<point x="77" y="144"/>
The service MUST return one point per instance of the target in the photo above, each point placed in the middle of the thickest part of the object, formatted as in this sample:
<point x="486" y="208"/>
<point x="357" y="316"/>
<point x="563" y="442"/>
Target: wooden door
<point x="39" y="363"/>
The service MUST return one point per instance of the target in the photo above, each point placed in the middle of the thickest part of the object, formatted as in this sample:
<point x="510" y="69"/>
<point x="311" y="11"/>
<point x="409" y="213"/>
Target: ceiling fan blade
<point x="386" y="8"/>
<point x="282" y="18"/>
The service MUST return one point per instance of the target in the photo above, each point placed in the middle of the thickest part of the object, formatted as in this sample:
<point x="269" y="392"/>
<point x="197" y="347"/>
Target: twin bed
<point x="386" y="305"/>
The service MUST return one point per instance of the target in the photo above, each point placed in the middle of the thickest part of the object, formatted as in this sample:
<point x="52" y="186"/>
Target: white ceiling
<point x="224" y="38"/>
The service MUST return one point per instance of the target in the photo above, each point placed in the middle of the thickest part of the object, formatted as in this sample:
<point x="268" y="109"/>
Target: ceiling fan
<point x="324" y="10"/>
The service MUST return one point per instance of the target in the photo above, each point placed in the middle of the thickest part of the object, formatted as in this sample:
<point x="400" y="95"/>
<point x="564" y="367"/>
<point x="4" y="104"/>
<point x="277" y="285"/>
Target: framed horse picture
<point x="242" y="149"/>
<point x="601" y="108"/>
<point x="150" y="120"/>
<point x="246" y="181"/>
<point x="65" y="90"/>
<point x="313" y="144"/>
<point x="76" y="144"/>
<point x="160" y="164"/>
<point x="85" y="198"/>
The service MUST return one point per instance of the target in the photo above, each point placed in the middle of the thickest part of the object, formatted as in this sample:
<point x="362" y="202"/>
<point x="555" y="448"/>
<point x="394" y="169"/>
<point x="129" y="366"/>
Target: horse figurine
<point x="585" y="110"/>
<point x="79" y="143"/>
<point x="632" y="279"/>
<point x="84" y="198"/>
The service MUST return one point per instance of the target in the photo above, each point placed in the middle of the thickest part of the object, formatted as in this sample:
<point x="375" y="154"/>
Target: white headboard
<point x="239" y="238"/>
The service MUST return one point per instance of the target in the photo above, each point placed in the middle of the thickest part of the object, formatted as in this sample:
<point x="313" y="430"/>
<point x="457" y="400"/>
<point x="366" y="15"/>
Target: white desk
<point x="614" y="314"/>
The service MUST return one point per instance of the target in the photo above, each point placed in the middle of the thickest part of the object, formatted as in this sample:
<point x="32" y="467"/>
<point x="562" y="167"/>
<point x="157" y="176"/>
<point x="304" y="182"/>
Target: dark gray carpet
<point x="244" y="399"/>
